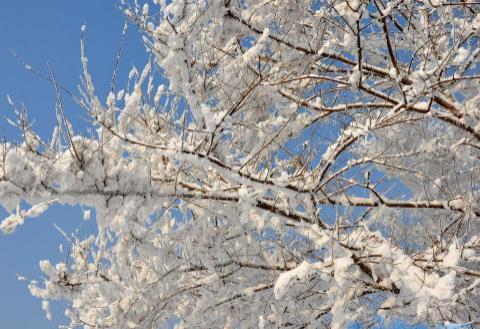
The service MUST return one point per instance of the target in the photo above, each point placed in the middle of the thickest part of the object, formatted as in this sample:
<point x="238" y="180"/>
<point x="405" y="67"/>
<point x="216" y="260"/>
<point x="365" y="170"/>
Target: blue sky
<point x="49" y="32"/>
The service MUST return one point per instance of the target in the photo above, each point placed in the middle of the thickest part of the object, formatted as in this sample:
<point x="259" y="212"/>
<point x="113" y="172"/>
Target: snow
<point x="86" y="214"/>
<point x="284" y="280"/>
<point x="111" y="100"/>
<point x="120" y="94"/>
<point x="283" y="179"/>
<point x="340" y="266"/>
<point x="452" y="257"/>
<point x="9" y="224"/>
<point x="132" y="108"/>
<point x="46" y="309"/>
<point x="225" y="179"/>
<point x="21" y="278"/>
<point x="253" y="52"/>
<point x="461" y="55"/>
<point x="175" y="8"/>
<point x="37" y="210"/>
<point x="354" y="78"/>
<point x="444" y="288"/>
<point x="261" y="322"/>
<point x="145" y="9"/>
<point x="339" y="316"/>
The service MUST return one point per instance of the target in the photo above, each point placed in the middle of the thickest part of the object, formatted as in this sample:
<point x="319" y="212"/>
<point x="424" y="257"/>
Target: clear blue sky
<point x="49" y="32"/>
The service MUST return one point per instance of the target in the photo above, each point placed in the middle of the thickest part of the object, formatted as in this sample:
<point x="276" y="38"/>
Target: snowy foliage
<point x="308" y="164"/>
